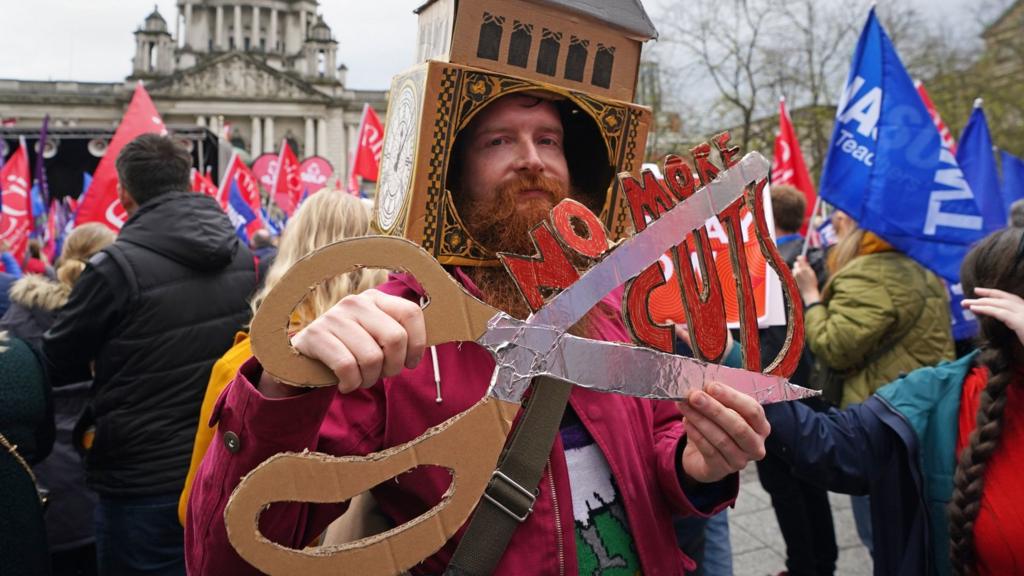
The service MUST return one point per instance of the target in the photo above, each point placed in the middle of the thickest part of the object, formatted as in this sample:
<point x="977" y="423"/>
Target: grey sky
<point x="91" y="40"/>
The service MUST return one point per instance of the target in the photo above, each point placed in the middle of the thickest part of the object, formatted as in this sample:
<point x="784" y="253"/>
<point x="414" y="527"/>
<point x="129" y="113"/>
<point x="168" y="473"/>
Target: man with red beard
<point x="618" y="470"/>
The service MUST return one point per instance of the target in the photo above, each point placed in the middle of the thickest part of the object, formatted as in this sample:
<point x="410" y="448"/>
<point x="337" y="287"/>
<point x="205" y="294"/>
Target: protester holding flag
<point x="149" y="315"/>
<point x="952" y="434"/>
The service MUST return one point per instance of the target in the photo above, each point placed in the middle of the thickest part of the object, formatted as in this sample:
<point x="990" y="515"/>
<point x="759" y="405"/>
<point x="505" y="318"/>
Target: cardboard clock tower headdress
<point x="476" y="51"/>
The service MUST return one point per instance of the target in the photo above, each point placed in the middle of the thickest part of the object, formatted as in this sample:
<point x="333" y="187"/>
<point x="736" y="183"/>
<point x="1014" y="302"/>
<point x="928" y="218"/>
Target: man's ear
<point x="126" y="199"/>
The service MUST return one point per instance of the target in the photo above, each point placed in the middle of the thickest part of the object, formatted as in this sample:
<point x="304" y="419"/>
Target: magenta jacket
<point x="639" y="438"/>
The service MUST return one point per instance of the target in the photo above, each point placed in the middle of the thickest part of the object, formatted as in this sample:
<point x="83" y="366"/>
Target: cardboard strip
<point x="451" y="315"/>
<point x="467" y="444"/>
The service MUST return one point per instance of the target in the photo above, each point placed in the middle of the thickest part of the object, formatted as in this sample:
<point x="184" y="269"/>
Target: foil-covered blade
<point x="523" y="352"/>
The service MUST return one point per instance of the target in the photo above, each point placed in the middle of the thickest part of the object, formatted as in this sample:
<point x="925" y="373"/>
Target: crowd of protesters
<point x="112" y="362"/>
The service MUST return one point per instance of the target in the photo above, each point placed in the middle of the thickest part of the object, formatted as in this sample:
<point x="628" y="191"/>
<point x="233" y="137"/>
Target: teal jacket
<point x="898" y="446"/>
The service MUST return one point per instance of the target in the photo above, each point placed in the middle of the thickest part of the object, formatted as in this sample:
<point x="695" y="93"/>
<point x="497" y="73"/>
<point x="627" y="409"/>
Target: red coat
<point x="639" y="439"/>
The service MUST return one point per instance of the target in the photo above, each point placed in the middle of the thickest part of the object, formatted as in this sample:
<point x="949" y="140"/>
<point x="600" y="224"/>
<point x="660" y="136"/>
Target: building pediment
<point x="235" y="76"/>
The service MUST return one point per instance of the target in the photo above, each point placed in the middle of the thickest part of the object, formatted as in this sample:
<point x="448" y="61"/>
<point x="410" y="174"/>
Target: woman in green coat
<point x="881" y="316"/>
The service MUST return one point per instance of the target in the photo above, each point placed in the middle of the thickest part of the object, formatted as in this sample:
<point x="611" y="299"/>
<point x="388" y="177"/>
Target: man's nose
<point x="528" y="159"/>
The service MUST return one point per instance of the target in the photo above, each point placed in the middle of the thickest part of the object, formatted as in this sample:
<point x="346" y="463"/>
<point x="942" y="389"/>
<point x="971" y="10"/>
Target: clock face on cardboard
<point x="399" y="156"/>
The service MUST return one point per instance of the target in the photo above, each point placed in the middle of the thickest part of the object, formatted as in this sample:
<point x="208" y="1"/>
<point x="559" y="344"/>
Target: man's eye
<point x="550" y="142"/>
<point x="497" y="141"/>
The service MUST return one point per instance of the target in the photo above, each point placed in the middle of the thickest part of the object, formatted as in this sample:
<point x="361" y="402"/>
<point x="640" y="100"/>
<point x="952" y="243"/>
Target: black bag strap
<point x="508" y="499"/>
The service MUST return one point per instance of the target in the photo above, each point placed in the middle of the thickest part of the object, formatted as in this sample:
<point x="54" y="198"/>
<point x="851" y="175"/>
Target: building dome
<point x="155" y="22"/>
<point x="320" y="31"/>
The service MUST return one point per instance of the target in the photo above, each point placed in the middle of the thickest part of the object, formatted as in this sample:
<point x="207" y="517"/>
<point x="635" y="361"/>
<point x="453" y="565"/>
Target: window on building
<point x="321" y="63"/>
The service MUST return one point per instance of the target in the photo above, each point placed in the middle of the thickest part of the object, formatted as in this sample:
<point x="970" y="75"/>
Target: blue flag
<point x="1013" y="179"/>
<point x="964" y="323"/>
<point x="239" y="212"/>
<point x="975" y="157"/>
<point x="886" y="166"/>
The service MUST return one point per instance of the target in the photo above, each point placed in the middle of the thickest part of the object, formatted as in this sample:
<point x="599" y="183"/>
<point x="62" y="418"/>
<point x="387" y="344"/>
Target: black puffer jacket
<point x="154" y="311"/>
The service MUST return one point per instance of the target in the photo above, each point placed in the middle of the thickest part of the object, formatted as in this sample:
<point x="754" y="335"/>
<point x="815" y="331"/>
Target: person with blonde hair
<point x="35" y="298"/>
<point x="322" y="219"/>
<point x="35" y="301"/>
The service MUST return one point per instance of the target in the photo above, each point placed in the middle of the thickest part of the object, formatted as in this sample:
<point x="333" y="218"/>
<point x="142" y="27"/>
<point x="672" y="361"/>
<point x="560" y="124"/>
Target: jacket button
<point x="232" y="443"/>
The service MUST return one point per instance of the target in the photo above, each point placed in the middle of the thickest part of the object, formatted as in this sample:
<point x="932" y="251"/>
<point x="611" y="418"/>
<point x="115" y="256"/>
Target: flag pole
<point x="359" y="141"/>
<point x="811" y="226"/>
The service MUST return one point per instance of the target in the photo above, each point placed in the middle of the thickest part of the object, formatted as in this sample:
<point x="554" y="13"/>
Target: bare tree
<point x="725" y="45"/>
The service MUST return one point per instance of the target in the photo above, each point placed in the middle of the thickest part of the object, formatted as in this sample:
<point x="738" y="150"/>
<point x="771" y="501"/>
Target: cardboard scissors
<point x="469" y="443"/>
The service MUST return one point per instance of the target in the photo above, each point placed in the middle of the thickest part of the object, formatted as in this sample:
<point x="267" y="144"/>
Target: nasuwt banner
<point x="886" y="166"/>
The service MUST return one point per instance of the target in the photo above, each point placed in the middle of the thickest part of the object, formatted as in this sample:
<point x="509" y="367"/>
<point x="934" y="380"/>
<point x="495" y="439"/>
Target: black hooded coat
<point x="153" y="311"/>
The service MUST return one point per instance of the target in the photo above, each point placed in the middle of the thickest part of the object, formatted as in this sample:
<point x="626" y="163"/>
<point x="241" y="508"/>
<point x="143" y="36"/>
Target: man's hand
<point x="362" y="338"/>
<point x="806" y="281"/>
<point x="1003" y="306"/>
<point x="725" y="429"/>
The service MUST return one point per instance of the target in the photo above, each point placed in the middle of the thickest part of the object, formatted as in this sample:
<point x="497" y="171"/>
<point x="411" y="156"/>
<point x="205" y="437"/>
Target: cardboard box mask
<point x="432" y="103"/>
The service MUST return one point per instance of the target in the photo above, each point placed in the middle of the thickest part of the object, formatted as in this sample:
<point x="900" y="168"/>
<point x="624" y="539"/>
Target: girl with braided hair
<point x="986" y="512"/>
<point x="941" y="449"/>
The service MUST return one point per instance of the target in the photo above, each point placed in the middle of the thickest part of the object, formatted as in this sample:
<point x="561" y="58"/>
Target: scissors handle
<point x="452" y="315"/>
<point x="318" y="478"/>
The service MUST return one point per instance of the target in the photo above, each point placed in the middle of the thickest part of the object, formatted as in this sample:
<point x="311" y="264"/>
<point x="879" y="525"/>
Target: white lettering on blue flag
<point x="950" y="177"/>
<point x="865" y="111"/>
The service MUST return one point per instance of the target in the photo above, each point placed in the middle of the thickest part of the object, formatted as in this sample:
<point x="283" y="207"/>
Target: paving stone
<point x="854" y="561"/>
<point x="757" y="545"/>
<point x="760" y="562"/>
<point x="742" y="540"/>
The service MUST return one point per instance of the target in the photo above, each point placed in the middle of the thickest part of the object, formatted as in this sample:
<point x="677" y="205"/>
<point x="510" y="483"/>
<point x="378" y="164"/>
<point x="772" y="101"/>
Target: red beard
<point x="503" y="224"/>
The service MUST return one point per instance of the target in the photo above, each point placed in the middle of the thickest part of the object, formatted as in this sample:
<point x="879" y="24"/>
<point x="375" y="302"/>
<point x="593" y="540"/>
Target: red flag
<point x="948" y="142"/>
<point x="16" y="221"/>
<point x="101" y="203"/>
<point x="202" y="184"/>
<point x="287" y="189"/>
<point x="366" y="162"/>
<point x="248" y="188"/>
<point x="788" y="163"/>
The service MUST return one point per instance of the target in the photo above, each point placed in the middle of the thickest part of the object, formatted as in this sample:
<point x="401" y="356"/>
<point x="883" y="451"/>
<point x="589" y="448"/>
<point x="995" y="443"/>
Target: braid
<point x="969" y="479"/>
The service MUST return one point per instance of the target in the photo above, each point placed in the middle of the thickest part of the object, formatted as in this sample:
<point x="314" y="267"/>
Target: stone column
<point x="238" y="27"/>
<point x="219" y="31"/>
<point x="257" y="137"/>
<point x="255" y="27"/>
<point x="188" y="24"/>
<point x="321" y="137"/>
<point x="272" y="41"/>
<point x="309" y="146"/>
<point x="302" y="27"/>
<point x="268" y="133"/>
<point x="201" y="121"/>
